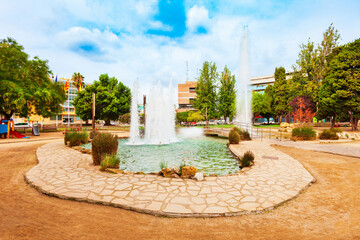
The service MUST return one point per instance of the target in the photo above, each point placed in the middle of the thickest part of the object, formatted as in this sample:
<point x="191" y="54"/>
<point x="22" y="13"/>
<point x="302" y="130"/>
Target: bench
<point x="53" y="128"/>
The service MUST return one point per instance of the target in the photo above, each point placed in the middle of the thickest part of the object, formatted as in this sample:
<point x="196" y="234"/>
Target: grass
<point x="267" y="126"/>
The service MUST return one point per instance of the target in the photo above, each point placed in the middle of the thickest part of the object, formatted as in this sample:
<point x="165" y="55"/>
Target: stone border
<point x="65" y="173"/>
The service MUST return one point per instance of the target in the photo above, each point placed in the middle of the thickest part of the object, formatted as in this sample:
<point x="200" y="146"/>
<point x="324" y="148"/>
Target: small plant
<point x="77" y="138"/>
<point x="328" y="134"/>
<point x="244" y="134"/>
<point x="247" y="159"/>
<point x="93" y="133"/>
<point x="142" y="131"/>
<point x="181" y="167"/>
<point x="303" y="133"/>
<point x="103" y="143"/>
<point x="346" y="135"/>
<point x="163" y="164"/>
<point x="110" y="161"/>
<point x="67" y="134"/>
<point x="234" y="137"/>
<point x="336" y="130"/>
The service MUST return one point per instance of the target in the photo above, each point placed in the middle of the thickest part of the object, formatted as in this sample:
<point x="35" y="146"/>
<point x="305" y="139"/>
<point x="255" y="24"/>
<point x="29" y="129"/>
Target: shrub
<point x="163" y="164"/>
<point x="67" y="134"/>
<point x="329" y="134"/>
<point x="247" y="159"/>
<point x="103" y="143"/>
<point x="125" y="118"/>
<point x="244" y="134"/>
<point x="93" y="133"/>
<point x="234" y="136"/>
<point x="110" y="161"/>
<point x="78" y="138"/>
<point x="303" y="133"/>
<point x="336" y="130"/>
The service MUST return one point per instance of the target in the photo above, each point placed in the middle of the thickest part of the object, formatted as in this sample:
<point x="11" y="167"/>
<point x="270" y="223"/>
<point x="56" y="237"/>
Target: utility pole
<point x="93" y="111"/>
<point x="144" y="104"/>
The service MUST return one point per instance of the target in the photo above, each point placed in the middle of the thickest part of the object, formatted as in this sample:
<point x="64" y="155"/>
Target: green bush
<point x="303" y="133"/>
<point x="93" y="133"/>
<point x="336" y="130"/>
<point x="247" y="159"/>
<point x="125" y="118"/>
<point x="328" y="134"/>
<point x="103" y="143"/>
<point x="67" y="135"/>
<point x="234" y="137"/>
<point x="110" y="161"/>
<point x="77" y="138"/>
<point x="244" y="134"/>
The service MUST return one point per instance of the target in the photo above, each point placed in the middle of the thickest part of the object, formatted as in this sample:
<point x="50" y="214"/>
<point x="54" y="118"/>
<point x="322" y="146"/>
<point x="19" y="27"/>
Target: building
<point x="258" y="84"/>
<point x="186" y="92"/>
<point x="68" y="109"/>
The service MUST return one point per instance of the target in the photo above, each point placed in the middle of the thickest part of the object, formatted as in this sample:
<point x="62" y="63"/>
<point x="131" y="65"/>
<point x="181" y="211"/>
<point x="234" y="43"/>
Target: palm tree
<point x="78" y="80"/>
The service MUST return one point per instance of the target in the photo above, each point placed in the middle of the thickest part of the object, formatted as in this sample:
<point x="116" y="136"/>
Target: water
<point x="243" y="97"/>
<point x="159" y="117"/>
<point x="208" y="155"/>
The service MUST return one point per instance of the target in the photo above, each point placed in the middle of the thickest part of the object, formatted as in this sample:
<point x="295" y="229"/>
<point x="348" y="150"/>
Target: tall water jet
<point x="160" y="116"/>
<point x="243" y="97"/>
<point x="134" y="124"/>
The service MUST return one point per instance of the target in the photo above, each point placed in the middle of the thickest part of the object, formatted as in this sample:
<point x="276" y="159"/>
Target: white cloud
<point x="197" y="17"/>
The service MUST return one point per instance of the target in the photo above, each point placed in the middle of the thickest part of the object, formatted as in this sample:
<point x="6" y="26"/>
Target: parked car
<point x="22" y="125"/>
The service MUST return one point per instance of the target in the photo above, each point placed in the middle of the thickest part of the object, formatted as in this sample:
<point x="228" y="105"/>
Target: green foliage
<point x="77" y="138"/>
<point x="103" y="143"/>
<point x="205" y="100"/>
<point x="182" y="116"/>
<point x="195" y="117"/>
<point x="93" y="133"/>
<point x="67" y="134"/>
<point x="181" y="167"/>
<point x="340" y="91"/>
<point x="227" y="95"/>
<point x="281" y="93"/>
<point x="125" y="118"/>
<point x="112" y="99"/>
<point x="234" y="137"/>
<point x="78" y="80"/>
<point x="261" y="105"/>
<point x="244" y="134"/>
<point x="163" y="164"/>
<point x="303" y="133"/>
<point x="328" y="134"/>
<point x="247" y="159"/>
<point x="110" y="161"/>
<point x="336" y="130"/>
<point x="25" y="85"/>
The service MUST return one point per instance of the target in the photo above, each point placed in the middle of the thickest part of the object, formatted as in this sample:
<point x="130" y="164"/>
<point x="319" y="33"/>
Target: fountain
<point x="159" y="120"/>
<point x="243" y="97"/>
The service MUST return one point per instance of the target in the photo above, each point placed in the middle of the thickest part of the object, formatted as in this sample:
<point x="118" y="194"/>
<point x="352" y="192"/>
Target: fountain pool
<point x="209" y="155"/>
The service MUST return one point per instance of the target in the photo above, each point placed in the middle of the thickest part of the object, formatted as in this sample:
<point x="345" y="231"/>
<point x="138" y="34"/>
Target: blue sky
<point x="151" y="40"/>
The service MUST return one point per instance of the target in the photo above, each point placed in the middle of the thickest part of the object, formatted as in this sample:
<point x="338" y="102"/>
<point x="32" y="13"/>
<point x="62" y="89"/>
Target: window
<point x="192" y="89"/>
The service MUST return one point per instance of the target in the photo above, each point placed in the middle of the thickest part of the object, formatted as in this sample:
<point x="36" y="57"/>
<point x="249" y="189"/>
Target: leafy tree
<point x="182" y="116"/>
<point x="281" y="93"/>
<point x="303" y="109"/>
<point x="227" y="95"/>
<point x="78" y="80"/>
<point x="25" y="85"/>
<point x="195" y="117"/>
<point x="341" y="86"/>
<point x="205" y="99"/>
<point x="112" y="99"/>
<point x="310" y="67"/>
<point x="261" y="105"/>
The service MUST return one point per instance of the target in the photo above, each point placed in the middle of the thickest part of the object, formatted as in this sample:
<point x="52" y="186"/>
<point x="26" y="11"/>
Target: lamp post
<point x="93" y="111"/>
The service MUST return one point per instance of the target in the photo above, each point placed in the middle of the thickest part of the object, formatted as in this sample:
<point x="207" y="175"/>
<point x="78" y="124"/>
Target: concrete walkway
<point x="274" y="179"/>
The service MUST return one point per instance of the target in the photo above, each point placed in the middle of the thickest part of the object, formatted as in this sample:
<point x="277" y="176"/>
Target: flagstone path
<point x="274" y="179"/>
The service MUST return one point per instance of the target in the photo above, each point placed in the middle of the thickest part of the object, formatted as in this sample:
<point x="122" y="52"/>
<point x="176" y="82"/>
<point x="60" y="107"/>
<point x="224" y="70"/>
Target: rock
<point x="199" y="176"/>
<point x="284" y="125"/>
<point x="188" y="172"/>
<point x="113" y="170"/>
<point x="142" y="173"/>
<point x="77" y="148"/>
<point x="174" y="175"/>
<point x="86" y="151"/>
<point x="128" y="172"/>
<point x="167" y="172"/>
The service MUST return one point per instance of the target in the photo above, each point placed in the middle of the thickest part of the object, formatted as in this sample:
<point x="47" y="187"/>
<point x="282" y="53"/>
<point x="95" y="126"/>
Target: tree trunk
<point x="107" y="122"/>
<point x="87" y="122"/>
<point x="268" y="120"/>
<point x="333" y="120"/>
<point x="280" y="118"/>
<point x="8" y="116"/>
<point x="206" y="118"/>
<point x="356" y="124"/>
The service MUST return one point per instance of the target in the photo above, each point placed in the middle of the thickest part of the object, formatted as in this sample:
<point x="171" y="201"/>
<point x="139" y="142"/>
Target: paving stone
<point x="176" y="208"/>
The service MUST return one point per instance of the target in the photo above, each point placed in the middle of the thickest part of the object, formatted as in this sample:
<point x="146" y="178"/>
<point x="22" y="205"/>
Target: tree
<point x="112" y="99"/>
<point x="78" y="80"/>
<point x="261" y="105"/>
<point x="281" y="93"/>
<point x="309" y="70"/>
<point x="195" y="117"/>
<point x="205" y="99"/>
<point x="182" y="116"/>
<point x="341" y="87"/>
<point x="25" y="85"/>
<point x="227" y="95"/>
<point x="303" y="109"/>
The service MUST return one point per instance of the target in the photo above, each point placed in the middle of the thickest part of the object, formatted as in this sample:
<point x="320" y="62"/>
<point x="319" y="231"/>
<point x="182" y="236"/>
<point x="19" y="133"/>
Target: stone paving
<point x="274" y="179"/>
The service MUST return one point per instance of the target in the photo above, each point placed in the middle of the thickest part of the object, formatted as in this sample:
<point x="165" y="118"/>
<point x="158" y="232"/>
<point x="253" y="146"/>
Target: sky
<point x="152" y="40"/>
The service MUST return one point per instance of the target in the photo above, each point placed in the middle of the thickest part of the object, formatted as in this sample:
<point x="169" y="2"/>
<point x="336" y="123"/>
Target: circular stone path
<point x="274" y="179"/>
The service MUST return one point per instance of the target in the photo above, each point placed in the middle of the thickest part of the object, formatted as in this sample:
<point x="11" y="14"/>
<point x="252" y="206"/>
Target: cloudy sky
<point x="153" y="39"/>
